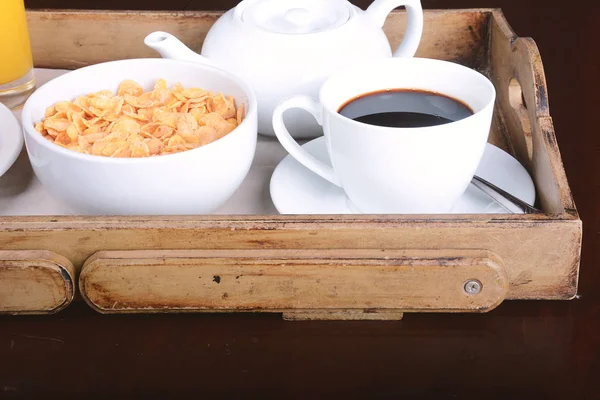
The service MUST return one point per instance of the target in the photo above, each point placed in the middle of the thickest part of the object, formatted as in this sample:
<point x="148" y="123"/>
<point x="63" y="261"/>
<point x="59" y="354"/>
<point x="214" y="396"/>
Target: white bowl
<point x="196" y="181"/>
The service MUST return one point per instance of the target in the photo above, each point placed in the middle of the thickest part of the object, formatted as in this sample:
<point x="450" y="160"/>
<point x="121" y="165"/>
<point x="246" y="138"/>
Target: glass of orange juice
<point x="17" y="80"/>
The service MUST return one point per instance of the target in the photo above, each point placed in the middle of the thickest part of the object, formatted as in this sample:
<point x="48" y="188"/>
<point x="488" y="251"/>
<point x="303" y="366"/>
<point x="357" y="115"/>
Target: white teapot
<point x="289" y="47"/>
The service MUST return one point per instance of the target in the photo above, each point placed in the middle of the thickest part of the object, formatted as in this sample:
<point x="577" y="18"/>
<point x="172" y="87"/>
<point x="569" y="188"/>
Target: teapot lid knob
<point x="294" y="16"/>
<point x="298" y="16"/>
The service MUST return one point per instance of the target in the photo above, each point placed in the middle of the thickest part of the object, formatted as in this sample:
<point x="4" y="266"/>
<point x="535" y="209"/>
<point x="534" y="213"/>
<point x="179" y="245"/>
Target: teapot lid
<point x="294" y="16"/>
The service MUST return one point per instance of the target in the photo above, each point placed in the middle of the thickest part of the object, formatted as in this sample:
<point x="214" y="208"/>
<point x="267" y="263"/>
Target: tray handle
<point x="518" y="74"/>
<point x="35" y="282"/>
<point x="527" y="94"/>
<point x="302" y="284"/>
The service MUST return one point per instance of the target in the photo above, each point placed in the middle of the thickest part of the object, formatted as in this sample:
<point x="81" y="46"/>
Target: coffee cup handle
<point x="379" y="11"/>
<point x="289" y="143"/>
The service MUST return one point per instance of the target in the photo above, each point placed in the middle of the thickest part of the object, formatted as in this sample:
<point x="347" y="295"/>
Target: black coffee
<point x="405" y="108"/>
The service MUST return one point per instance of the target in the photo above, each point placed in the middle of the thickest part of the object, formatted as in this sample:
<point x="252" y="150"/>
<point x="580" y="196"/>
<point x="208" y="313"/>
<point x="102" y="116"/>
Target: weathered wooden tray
<point x="306" y="267"/>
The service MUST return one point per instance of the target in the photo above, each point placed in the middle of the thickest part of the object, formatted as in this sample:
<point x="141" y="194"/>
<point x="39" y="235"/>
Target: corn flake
<point x="135" y="123"/>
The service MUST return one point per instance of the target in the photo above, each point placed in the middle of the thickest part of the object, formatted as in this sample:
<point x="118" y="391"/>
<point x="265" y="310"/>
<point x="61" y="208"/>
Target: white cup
<point x="397" y="170"/>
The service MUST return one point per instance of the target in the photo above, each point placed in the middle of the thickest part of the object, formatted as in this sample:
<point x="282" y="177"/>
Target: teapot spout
<point x="168" y="46"/>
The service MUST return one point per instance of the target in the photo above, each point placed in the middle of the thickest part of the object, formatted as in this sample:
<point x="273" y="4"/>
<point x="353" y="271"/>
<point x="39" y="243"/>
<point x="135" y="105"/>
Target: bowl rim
<point x="29" y="128"/>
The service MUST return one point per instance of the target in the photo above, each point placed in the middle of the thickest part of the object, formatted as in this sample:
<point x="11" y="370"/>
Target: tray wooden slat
<point x="79" y="38"/>
<point x="541" y="257"/>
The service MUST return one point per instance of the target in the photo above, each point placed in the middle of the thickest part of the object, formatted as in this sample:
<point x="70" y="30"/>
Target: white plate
<point x="297" y="190"/>
<point x="11" y="139"/>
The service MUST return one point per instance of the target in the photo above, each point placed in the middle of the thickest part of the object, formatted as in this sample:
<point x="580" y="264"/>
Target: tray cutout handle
<point x="523" y="90"/>
<point x="35" y="282"/>
<point x="519" y="106"/>
<point x="288" y="281"/>
<point x="516" y="64"/>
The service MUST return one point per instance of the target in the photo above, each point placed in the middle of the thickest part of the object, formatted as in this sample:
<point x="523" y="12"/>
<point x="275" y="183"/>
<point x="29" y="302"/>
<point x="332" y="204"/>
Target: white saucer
<point x="297" y="190"/>
<point x="11" y="139"/>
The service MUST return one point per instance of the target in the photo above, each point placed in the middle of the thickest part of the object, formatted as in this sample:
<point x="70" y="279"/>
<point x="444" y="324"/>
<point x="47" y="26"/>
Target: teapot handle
<point x="379" y="11"/>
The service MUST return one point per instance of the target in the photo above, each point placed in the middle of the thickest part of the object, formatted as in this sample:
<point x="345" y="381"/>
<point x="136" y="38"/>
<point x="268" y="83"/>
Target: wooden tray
<point x="306" y="267"/>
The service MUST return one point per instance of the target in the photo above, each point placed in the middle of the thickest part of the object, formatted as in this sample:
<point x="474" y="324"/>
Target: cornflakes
<point x="134" y="123"/>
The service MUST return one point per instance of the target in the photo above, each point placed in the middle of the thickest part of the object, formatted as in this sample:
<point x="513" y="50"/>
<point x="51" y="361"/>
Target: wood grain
<point x="286" y="280"/>
<point x="72" y="39"/>
<point x="541" y="254"/>
<point x="346" y="315"/>
<point x="35" y="282"/>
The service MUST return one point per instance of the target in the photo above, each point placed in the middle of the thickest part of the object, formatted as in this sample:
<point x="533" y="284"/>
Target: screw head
<point x="473" y="286"/>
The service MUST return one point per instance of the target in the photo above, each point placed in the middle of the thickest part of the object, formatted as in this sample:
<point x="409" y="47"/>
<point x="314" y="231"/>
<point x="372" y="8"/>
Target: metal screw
<point x="473" y="286"/>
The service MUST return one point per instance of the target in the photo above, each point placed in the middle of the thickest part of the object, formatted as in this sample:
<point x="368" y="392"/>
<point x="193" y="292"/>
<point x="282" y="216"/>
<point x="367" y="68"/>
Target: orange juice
<point x="15" y="50"/>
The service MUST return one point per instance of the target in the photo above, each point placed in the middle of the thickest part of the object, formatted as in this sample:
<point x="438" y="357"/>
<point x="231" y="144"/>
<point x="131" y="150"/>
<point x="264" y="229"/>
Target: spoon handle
<point x="503" y="198"/>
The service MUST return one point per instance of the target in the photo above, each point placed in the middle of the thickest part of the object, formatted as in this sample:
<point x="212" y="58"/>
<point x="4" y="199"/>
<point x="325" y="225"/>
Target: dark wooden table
<point x="521" y="350"/>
